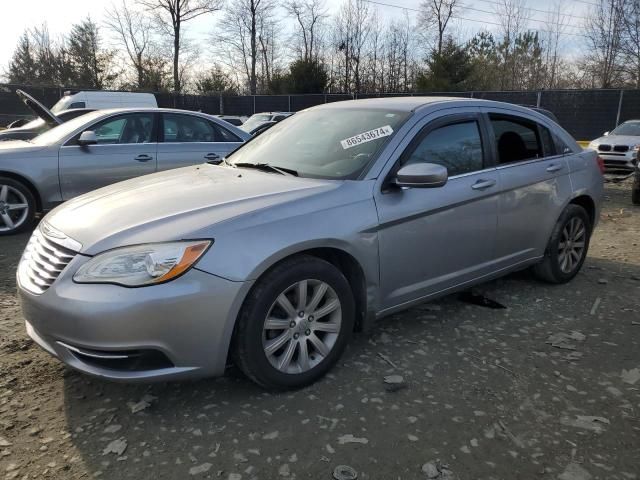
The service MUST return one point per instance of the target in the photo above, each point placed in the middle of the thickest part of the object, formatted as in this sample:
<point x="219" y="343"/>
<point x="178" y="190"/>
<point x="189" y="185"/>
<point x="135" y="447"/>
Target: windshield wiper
<point x="268" y="167"/>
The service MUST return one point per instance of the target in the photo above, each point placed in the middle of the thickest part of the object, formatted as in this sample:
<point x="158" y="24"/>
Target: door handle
<point x="482" y="184"/>
<point x="212" y="156"/>
<point x="554" y="168"/>
<point x="143" y="158"/>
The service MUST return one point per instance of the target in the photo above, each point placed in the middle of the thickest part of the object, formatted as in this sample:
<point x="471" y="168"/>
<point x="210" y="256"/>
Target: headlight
<point x="142" y="265"/>
<point x="635" y="148"/>
<point x="593" y="146"/>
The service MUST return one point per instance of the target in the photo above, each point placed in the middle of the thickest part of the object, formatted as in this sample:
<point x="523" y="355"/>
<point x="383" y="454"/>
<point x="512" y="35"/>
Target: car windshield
<point x="62" y="131"/>
<point x="632" y="129"/>
<point x="323" y="143"/>
<point x="33" y="124"/>
<point x="61" y="104"/>
<point x="254" y="121"/>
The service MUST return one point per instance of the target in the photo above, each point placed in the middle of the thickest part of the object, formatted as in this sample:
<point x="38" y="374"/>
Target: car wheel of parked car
<point x="567" y="248"/>
<point x="295" y="323"/>
<point x="17" y="206"/>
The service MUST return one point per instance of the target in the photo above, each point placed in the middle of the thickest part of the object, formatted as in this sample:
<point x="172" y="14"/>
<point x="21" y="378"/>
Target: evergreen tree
<point x="448" y="70"/>
<point x="23" y="68"/>
<point x="93" y="67"/>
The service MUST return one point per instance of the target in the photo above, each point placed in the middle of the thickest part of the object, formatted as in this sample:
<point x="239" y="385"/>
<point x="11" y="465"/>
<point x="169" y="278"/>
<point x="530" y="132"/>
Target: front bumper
<point x="181" y="329"/>
<point x="619" y="162"/>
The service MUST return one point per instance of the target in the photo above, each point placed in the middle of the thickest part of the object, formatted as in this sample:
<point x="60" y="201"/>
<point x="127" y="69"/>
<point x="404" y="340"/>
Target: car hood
<point x="618" y="140"/>
<point x="174" y="205"/>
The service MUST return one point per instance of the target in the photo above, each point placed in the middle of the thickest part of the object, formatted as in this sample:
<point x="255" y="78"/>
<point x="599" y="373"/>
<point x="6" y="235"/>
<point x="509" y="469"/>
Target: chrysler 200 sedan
<point x="343" y="214"/>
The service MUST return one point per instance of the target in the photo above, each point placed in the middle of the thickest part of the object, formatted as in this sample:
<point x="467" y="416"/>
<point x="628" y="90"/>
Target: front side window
<point x="547" y="141"/>
<point x="324" y="143"/>
<point x="189" y="128"/>
<point x="125" y="129"/>
<point x="516" y="139"/>
<point x="458" y="147"/>
<point x="77" y="105"/>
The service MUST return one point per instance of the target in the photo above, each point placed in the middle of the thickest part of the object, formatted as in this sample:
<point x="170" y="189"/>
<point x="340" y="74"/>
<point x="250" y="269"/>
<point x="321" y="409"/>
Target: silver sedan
<point x="335" y="217"/>
<point x="101" y="148"/>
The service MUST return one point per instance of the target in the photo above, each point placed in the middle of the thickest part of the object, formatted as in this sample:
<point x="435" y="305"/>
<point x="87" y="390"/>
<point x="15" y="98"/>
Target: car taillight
<point x="600" y="164"/>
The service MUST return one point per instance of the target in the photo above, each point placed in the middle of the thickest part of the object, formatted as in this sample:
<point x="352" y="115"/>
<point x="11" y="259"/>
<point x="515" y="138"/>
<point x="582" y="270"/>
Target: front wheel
<point x="567" y="247"/>
<point x="17" y="207"/>
<point x="294" y="324"/>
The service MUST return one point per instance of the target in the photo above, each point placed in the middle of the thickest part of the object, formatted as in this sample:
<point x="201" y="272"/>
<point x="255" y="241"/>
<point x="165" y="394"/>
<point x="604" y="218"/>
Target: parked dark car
<point x="45" y="120"/>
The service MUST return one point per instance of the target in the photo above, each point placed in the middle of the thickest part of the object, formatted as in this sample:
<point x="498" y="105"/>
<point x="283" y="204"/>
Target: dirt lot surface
<point x="547" y="388"/>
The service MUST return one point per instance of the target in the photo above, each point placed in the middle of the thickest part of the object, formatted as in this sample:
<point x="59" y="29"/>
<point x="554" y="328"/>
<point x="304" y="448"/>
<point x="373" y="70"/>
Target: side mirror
<point x="421" y="175"/>
<point x="605" y="133"/>
<point x="88" y="137"/>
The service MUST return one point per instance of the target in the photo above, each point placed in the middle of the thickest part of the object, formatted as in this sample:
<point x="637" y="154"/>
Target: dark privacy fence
<point x="586" y="114"/>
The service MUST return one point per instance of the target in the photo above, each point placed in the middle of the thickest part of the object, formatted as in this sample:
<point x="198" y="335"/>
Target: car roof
<point x="414" y="103"/>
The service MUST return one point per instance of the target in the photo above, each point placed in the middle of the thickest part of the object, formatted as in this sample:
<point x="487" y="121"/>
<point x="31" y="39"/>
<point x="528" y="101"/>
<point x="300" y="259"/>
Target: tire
<point x="14" y="194"/>
<point x="635" y="189"/>
<point x="259" y="351"/>
<point x="554" y="268"/>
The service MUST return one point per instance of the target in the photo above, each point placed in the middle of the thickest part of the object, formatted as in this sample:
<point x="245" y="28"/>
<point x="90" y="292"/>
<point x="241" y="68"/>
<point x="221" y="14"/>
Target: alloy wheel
<point x="14" y="208"/>
<point x="572" y="245"/>
<point x="302" y="326"/>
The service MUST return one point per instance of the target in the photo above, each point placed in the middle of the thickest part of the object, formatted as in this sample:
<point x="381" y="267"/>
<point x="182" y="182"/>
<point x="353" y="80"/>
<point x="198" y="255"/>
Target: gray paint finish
<point x="411" y="244"/>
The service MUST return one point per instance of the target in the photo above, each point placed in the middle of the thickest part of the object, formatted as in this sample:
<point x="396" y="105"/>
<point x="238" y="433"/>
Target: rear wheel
<point x="295" y="323"/>
<point x="567" y="247"/>
<point x="17" y="207"/>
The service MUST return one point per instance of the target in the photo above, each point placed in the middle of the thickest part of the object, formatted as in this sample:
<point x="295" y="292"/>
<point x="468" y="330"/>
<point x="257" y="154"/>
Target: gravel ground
<point x="547" y="388"/>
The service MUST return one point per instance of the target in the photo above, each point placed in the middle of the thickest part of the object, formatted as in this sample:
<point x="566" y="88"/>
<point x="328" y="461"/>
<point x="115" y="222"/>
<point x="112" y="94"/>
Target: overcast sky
<point x="17" y="15"/>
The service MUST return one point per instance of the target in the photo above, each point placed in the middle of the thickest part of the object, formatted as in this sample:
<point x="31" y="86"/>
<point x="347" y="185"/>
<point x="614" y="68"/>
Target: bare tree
<point x="133" y="31"/>
<point x="438" y="13"/>
<point x="309" y="16"/>
<point x="557" y="24"/>
<point x="351" y="33"/>
<point x="171" y="15"/>
<point x="631" y="41"/>
<point x="246" y="38"/>
<point x="512" y="16"/>
<point x="604" y="31"/>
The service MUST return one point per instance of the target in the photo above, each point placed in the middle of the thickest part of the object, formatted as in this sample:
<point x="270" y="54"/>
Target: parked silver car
<point x="343" y="214"/>
<point x="619" y="148"/>
<point x="101" y="148"/>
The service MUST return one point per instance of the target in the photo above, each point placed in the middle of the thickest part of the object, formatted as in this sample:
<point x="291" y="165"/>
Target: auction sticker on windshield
<point x="365" y="137"/>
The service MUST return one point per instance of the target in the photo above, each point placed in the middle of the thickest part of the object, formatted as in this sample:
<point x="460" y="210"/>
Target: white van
<point x="101" y="100"/>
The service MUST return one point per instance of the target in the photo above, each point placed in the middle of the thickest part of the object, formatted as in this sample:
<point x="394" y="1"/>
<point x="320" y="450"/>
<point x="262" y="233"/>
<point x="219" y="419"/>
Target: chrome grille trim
<point x="44" y="259"/>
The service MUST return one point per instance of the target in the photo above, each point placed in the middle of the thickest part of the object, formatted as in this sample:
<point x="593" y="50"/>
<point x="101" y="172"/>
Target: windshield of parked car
<point x="324" y="143"/>
<point x="61" y="104"/>
<point x="631" y="129"/>
<point x="67" y="128"/>
<point x="33" y="124"/>
<point x="254" y="121"/>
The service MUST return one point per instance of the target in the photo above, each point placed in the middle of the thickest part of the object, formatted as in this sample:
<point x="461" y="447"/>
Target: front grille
<point x="42" y="262"/>
<point x="604" y="148"/>
<point x="621" y="148"/>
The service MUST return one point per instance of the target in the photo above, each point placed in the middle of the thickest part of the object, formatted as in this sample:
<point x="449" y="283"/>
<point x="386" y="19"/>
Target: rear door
<point x="535" y="185"/>
<point x="126" y="148"/>
<point x="190" y="140"/>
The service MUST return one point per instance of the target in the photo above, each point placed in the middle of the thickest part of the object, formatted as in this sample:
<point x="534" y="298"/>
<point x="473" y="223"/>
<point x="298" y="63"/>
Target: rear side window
<point x="457" y="146"/>
<point x="77" y="105"/>
<point x="517" y="139"/>
<point x="189" y="128"/>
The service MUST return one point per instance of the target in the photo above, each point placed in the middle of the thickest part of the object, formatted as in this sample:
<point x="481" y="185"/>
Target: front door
<point x="126" y="148"/>
<point x="191" y="140"/>
<point x="433" y="239"/>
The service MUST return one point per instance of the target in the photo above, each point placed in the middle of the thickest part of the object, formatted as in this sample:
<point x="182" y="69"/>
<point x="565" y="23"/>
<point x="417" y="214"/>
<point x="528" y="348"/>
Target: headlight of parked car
<point x="593" y="146"/>
<point x="142" y="265"/>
